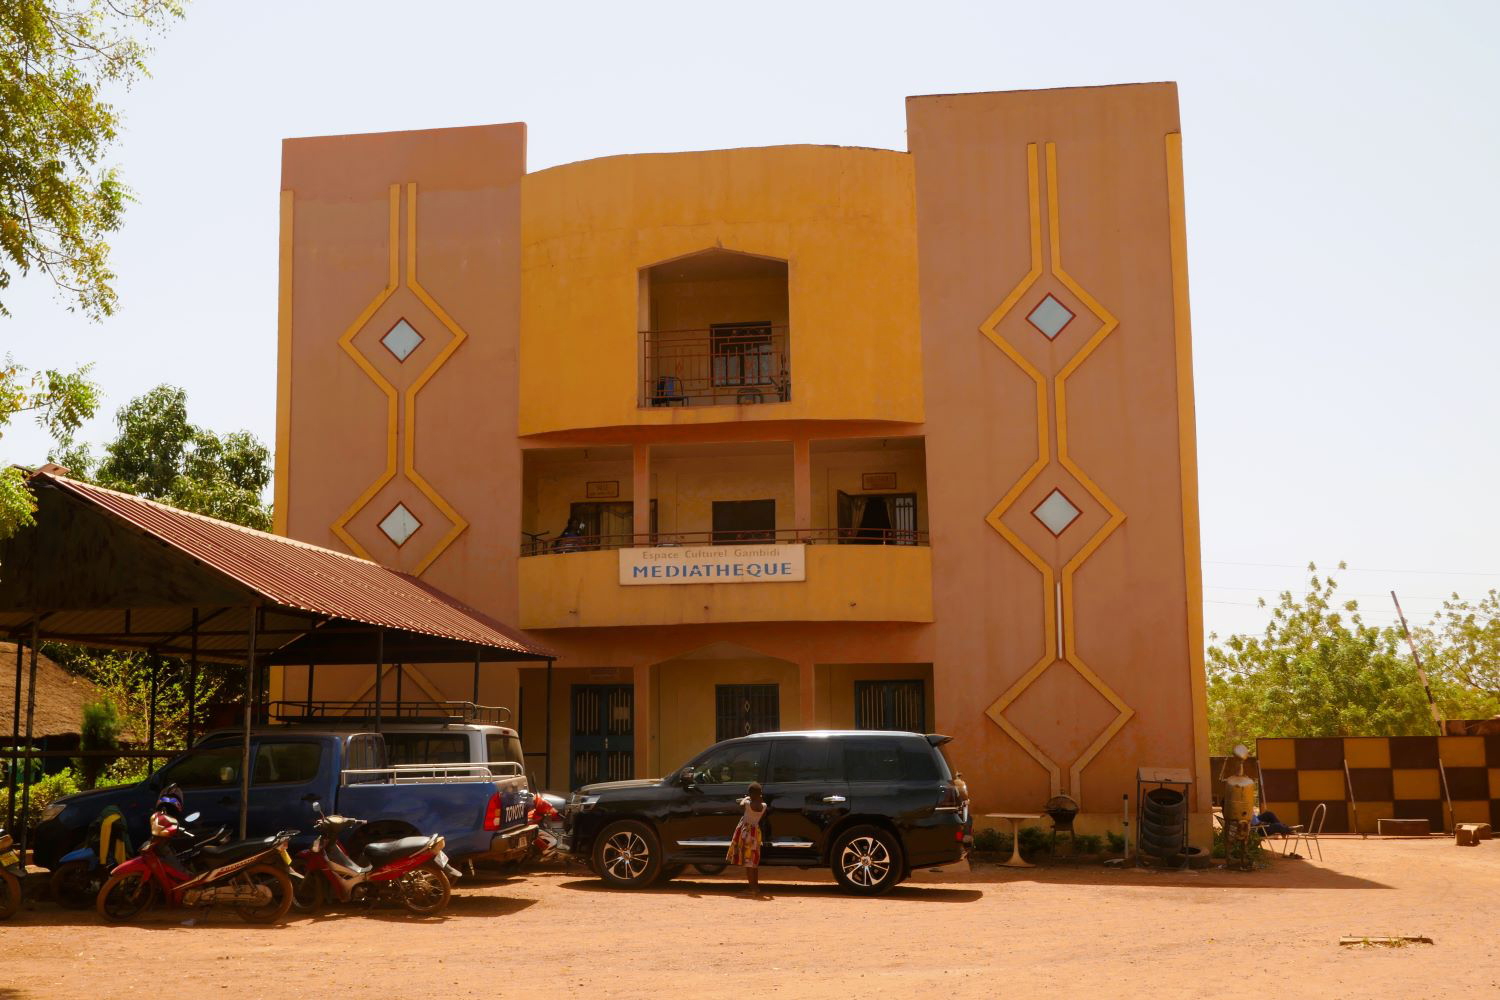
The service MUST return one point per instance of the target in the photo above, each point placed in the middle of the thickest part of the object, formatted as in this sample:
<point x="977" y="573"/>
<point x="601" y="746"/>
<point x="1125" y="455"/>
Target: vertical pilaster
<point x="802" y="512"/>
<point x="645" y="763"/>
<point x="642" y="492"/>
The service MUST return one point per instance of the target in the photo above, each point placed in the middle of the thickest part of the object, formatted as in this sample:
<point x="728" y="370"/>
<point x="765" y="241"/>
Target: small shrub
<point x="100" y="731"/>
<point x="43" y="794"/>
<point x="1034" y="840"/>
<point x="1088" y="843"/>
<point x="988" y="840"/>
<point x="1116" y="842"/>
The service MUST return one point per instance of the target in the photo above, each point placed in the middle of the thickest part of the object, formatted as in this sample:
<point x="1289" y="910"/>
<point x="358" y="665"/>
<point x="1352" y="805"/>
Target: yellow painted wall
<point x="551" y="490"/>
<point x="843" y="219"/>
<point x="686" y="488"/>
<point x="686" y="700"/>
<point x="849" y="583"/>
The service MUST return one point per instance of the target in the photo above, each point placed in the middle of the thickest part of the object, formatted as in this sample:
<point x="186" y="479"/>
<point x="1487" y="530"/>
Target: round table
<point x="1015" y="836"/>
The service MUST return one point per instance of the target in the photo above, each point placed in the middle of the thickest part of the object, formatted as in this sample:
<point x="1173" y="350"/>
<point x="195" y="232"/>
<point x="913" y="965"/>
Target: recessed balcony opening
<point x="714" y="331"/>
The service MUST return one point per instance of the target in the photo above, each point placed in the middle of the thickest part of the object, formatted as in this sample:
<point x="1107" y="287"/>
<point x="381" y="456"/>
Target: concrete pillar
<point x="645" y="763"/>
<point x="807" y="694"/>
<point x="641" y="492"/>
<point x="802" y="512"/>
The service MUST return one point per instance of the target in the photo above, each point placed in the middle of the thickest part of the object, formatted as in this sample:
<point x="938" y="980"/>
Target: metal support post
<point x="547" y="782"/>
<point x="151" y="714"/>
<point x="476" y="674"/>
<point x="26" y="773"/>
<point x="379" y="670"/>
<point x="193" y="681"/>
<point x="15" y="741"/>
<point x="250" y="664"/>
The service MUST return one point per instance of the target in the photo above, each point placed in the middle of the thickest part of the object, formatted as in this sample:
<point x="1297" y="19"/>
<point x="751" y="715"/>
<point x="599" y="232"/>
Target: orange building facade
<point x="788" y="437"/>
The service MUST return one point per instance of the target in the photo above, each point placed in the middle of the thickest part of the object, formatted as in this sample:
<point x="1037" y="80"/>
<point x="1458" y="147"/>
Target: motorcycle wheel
<point x="424" y="890"/>
<point x="74" y="885"/>
<point x="123" y="897"/>
<point x="308" y="892"/>
<point x="275" y="878"/>
<point x="10" y="894"/>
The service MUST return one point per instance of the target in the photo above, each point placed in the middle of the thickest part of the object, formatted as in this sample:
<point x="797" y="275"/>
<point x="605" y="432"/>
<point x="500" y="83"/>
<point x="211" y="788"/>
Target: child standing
<point x="744" y="848"/>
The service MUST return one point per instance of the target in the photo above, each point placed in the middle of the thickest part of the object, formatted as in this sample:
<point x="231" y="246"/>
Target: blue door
<point x="602" y="745"/>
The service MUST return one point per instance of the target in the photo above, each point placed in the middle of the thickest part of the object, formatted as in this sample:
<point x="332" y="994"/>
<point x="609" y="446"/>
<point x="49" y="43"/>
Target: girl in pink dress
<point x="744" y="848"/>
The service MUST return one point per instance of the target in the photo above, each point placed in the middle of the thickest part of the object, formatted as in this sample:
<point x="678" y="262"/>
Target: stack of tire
<point x="1163" y="824"/>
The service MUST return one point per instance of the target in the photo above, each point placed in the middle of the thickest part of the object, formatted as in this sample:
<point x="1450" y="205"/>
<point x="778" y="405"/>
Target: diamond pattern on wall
<point x="400" y="524"/>
<point x="1050" y="316"/>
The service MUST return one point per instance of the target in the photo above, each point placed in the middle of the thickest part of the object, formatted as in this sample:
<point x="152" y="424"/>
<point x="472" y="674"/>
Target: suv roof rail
<point x="428" y="712"/>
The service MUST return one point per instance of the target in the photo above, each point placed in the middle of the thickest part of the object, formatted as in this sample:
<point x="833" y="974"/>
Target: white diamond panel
<point x="400" y="524"/>
<point x="401" y="340"/>
<point x="1050" y="316"/>
<point x="1056" y="512"/>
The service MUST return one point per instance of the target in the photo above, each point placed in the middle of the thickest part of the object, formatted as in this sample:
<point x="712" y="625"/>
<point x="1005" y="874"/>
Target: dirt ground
<point x="1068" y="930"/>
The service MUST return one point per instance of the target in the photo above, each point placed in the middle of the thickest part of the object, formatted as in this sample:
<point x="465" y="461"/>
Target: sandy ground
<point x="1065" y="930"/>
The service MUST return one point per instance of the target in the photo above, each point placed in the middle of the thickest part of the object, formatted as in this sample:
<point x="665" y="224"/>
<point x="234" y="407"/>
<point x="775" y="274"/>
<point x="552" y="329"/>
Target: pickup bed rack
<point x="444" y="713"/>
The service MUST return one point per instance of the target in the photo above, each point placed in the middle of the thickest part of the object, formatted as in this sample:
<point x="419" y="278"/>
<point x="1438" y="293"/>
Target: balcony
<point x="844" y="583"/>
<point x="845" y="521"/>
<point x="727" y="363"/>
<point x="714" y="331"/>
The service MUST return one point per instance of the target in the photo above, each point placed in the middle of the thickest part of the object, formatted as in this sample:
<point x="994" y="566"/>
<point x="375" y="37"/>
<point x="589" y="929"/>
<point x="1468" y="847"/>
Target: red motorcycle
<point x="413" y="871"/>
<point x="249" y="876"/>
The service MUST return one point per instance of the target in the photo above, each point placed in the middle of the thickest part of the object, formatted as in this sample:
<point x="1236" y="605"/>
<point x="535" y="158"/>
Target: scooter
<point x="546" y="814"/>
<point x="413" y="871"/>
<point x="249" y="876"/>
<point x="80" y="874"/>
<point x="10" y="885"/>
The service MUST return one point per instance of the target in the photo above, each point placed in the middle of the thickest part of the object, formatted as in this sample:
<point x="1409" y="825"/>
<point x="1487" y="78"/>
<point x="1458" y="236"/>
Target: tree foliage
<point x="61" y="402"/>
<point x="58" y="201"/>
<point x="159" y="454"/>
<point x="1321" y="670"/>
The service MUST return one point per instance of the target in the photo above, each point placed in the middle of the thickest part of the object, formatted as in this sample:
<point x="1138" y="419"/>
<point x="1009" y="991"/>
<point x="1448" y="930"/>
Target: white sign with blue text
<point x="729" y="563"/>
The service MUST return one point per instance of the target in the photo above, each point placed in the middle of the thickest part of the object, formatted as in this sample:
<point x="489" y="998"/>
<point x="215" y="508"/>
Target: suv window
<point x="919" y="762"/>
<point x="287" y="763"/>
<point x="500" y="749"/>
<point x="801" y="760"/>
<point x="214" y="767"/>
<point x="872" y="760"/>
<point x="739" y="763"/>
<point x="427" y="748"/>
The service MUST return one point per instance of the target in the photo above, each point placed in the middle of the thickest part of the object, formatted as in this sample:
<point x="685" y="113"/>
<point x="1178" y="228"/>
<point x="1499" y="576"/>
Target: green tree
<point x="61" y="402"/>
<point x="1463" y="645"/>
<point x="58" y="201"/>
<point x="1318" y="670"/>
<point x="159" y="454"/>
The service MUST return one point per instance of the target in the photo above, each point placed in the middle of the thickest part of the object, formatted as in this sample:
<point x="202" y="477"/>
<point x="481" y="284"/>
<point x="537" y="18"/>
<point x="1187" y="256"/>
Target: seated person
<point x="1267" y="823"/>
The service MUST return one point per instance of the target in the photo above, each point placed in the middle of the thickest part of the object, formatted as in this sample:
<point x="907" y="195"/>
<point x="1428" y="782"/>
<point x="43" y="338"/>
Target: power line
<point x="1355" y="569"/>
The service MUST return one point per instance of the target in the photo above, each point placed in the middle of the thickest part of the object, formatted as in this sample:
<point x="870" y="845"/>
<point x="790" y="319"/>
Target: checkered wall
<point x="1392" y="777"/>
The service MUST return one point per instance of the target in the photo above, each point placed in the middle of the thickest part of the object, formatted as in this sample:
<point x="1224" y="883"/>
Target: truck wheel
<point x="867" y="861"/>
<point x="627" y="855"/>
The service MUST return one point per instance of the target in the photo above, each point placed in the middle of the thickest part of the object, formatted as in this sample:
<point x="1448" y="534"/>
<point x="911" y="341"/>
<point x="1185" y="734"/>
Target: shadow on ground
<point x="698" y="888"/>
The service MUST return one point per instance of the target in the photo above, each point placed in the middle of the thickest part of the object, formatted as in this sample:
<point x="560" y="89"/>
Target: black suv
<point x="870" y="805"/>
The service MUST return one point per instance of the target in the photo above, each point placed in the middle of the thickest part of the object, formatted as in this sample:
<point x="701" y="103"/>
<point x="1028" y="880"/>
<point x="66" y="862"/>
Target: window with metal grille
<point x="742" y="353"/>
<point x="747" y="708"/>
<point x="898" y="705"/>
<point x="877" y="518"/>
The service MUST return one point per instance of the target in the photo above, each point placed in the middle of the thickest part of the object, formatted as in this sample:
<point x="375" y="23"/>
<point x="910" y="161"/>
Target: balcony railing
<point x="536" y="545"/>
<point x="729" y="363"/>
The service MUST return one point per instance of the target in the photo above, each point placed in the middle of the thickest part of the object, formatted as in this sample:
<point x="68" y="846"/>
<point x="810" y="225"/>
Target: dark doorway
<point x="877" y="518"/>
<point x="743" y="709"/>
<point x="744" y="521"/>
<point x="602" y="745"/>
<point x="898" y="705"/>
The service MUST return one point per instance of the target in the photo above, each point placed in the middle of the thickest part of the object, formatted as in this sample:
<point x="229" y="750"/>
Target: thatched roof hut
<point x="60" y="696"/>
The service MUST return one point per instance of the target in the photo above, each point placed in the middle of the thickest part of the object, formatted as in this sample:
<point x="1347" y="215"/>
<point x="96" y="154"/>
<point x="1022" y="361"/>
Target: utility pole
<point x="1437" y="715"/>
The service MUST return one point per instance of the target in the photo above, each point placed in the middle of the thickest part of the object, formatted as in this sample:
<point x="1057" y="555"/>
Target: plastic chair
<point x="1307" y="834"/>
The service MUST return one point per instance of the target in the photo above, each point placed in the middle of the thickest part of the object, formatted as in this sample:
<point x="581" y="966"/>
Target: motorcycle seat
<point x="220" y="855"/>
<point x="383" y="852"/>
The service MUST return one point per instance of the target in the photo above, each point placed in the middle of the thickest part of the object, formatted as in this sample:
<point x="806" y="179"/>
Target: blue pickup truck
<point x="479" y="813"/>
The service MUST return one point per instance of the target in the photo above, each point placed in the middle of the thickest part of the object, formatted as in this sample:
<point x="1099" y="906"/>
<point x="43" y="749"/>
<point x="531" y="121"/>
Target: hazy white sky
<point x="1342" y="163"/>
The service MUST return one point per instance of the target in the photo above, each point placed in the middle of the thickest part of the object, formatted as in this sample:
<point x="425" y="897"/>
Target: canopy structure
<point x="109" y="570"/>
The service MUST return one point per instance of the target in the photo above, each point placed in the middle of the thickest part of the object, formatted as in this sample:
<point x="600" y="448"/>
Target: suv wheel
<point x="627" y="855"/>
<point x="867" y="861"/>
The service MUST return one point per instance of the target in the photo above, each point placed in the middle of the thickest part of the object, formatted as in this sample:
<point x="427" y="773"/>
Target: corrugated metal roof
<point x="294" y="574"/>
